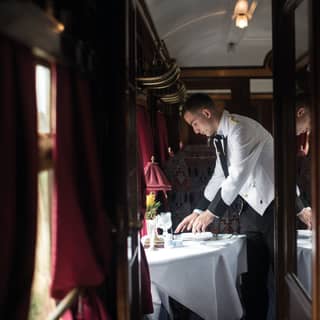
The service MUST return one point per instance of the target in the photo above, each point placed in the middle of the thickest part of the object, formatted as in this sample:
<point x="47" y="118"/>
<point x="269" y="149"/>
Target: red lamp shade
<point x="155" y="178"/>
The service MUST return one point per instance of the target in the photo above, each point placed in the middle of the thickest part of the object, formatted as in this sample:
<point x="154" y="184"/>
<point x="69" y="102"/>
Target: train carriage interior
<point x="101" y="165"/>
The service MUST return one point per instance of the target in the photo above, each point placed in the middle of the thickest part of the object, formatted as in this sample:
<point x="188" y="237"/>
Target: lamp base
<point x="158" y="242"/>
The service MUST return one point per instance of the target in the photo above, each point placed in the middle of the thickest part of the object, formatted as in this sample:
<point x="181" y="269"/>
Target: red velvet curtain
<point x="145" y="150"/>
<point x="81" y="232"/>
<point x="18" y="183"/>
<point x="144" y="132"/>
<point x="162" y="137"/>
<point x="146" y="297"/>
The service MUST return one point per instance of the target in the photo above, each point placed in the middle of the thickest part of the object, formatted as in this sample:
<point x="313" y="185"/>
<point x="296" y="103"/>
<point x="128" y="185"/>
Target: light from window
<point x="41" y="302"/>
<point x="43" y="90"/>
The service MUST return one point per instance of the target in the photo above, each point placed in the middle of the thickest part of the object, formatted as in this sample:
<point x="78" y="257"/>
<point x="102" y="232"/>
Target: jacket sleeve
<point x="202" y="204"/>
<point x="245" y="148"/>
<point x="301" y="203"/>
<point x="215" y="181"/>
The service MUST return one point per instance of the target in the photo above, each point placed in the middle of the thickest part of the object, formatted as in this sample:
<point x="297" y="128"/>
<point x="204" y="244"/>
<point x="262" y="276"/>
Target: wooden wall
<point x="239" y="100"/>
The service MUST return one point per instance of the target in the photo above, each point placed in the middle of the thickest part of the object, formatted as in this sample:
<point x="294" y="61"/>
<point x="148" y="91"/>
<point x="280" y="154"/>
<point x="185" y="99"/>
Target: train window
<point x="43" y="87"/>
<point x="41" y="303"/>
<point x="261" y="86"/>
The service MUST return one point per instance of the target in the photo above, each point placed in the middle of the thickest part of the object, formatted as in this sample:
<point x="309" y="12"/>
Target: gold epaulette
<point x="233" y="119"/>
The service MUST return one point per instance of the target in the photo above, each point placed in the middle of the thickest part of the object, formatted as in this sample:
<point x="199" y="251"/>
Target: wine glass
<point x="164" y="222"/>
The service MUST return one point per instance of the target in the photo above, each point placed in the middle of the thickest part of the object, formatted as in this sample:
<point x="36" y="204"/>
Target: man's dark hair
<point x="197" y="102"/>
<point x="303" y="100"/>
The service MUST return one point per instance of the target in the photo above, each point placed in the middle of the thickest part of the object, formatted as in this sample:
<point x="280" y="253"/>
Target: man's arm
<point x="200" y="209"/>
<point x="202" y="204"/>
<point x="303" y="213"/>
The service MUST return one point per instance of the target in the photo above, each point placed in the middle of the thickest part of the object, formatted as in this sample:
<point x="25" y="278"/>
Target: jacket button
<point x="261" y="202"/>
<point x="246" y="195"/>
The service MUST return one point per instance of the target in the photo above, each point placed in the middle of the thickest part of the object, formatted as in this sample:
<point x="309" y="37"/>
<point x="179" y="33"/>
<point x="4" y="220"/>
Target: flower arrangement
<point x="152" y="206"/>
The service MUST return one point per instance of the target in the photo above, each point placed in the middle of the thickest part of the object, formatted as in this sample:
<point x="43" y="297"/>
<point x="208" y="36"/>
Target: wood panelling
<point x="240" y="92"/>
<point x="290" y="5"/>
<point x="240" y="101"/>
<point x="262" y="111"/>
<point x="116" y="119"/>
<point x="259" y="72"/>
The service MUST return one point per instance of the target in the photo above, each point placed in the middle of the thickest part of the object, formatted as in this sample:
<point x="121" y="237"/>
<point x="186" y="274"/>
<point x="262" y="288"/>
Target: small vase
<point x="151" y="231"/>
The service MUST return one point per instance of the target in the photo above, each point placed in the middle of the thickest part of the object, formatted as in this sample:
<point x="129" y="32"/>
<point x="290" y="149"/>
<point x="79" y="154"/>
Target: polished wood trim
<point x="134" y="223"/>
<point x="148" y="21"/>
<point x="240" y="92"/>
<point x="141" y="100"/>
<point x="145" y="14"/>
<point x="284" y="144"/>
<point x="214" y="83"/>
<point x="298" y="299"/>
<point x="268" y="61"/>
<point x="290" y="5"/>
<point x="115" y="119"/>
<point x="222" y="96"/>
<point x="209" y="83"/>
<point x="258" y="72"/>
<point x="314" y="10"/>
<point x="261" y="96"/>
<point x="302" y="61"/>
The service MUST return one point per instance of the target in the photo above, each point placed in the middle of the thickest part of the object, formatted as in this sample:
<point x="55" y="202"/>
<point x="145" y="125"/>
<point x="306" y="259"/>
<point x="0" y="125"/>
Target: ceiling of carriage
<point x="201" y="33"/>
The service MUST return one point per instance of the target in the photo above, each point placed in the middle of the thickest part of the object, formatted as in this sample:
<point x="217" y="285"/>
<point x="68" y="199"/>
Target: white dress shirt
<point x="250" y="165"/>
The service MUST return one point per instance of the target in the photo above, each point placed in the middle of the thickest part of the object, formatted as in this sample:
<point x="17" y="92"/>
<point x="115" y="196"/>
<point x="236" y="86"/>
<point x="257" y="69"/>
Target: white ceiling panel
<point x="198" y="33"/>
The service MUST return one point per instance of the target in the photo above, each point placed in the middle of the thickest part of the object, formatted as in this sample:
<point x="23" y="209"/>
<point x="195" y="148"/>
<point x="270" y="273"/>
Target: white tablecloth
<point x="304" y="263"/>
<point x="201" y="275"/>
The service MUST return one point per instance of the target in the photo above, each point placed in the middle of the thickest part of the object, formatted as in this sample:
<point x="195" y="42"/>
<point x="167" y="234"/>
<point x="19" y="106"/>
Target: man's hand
<point x="202" y="221"/>
<point x="305" y="215"/>
<point x="187" y="222"/>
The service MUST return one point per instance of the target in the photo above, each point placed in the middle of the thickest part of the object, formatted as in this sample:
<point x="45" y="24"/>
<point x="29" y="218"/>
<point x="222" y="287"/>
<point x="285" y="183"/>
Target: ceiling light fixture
<point x="242" y="14"/>
<point x="241" y="21"/>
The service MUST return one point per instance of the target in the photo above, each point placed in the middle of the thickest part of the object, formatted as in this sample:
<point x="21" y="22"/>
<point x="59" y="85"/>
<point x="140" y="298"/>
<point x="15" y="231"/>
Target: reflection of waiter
<point x="246" y="149"/>
<point x="303" y="127"/>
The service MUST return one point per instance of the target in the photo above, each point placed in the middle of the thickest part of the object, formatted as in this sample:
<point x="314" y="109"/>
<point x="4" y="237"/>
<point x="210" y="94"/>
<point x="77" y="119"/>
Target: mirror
<point x="303" y="128"/>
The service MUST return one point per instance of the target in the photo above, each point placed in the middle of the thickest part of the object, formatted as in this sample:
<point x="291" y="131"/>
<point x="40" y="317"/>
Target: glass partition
<point x="303" y="138"/>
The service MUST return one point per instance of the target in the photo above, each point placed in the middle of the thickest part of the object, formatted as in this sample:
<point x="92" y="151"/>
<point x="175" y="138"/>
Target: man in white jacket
<point x="244" y="171"/>
<point x="303" y="125"/>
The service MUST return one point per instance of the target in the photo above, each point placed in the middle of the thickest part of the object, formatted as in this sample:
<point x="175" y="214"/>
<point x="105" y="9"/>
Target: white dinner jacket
<point x="250" y="163"/>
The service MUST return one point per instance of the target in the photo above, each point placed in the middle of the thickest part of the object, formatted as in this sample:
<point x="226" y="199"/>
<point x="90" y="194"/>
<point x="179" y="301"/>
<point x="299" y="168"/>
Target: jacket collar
<point x="223" y="124"/>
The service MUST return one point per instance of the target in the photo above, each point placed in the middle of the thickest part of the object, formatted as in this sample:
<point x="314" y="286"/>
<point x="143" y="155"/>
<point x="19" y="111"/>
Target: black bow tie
<point x="218" y="137"/>
<point x="221" y="151"/>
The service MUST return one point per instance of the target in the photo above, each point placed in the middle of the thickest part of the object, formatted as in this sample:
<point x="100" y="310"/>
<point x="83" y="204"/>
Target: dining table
<point x="201" y="274"/>
<point x="304" y="258"/>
